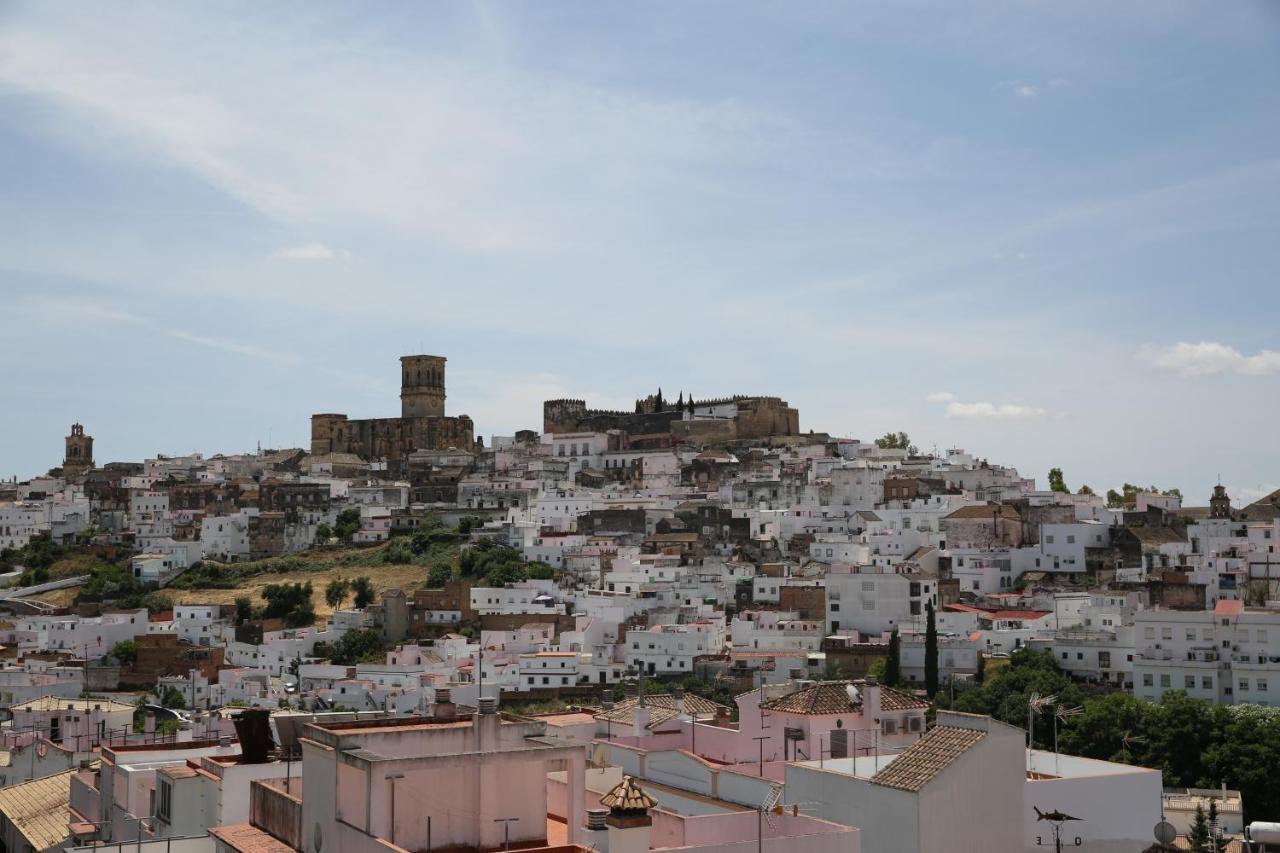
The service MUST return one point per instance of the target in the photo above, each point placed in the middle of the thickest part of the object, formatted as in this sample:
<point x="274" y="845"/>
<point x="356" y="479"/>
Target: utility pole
<point x="506" y="830"/>
<point x="392" y="777"/>
<point x="760" y="740"/>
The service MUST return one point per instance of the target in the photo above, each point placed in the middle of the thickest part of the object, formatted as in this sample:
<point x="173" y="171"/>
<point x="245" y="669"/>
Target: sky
<point x="1043" y="232"/>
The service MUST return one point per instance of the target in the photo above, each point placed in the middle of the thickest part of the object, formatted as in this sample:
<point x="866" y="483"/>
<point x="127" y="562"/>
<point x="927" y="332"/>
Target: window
<point x="1048" y="540"/>
<point x="1147" y="680"/>
<point x="1149" y="633"/>
<point x="835" y="607"/>
<point x="1104" y="660"/>
<point x="1071" y="540"/>
<point x="1189" y="681"/>
<point x="1260" y="635"/>
<point x="1244" y="685"/>
<point x="1166" y="633"/>
<point x="1262" y="685"/>
<point x="868" y="605"/>
<point x="914" y="724"/>
<point x="1206" y="682"/>
<point x="868" y="586"/>
<point x="1191" y="635"/>
<point x="889" y="727"/>
<point x="165" y="806"/>
<point x="1165" y="681"/>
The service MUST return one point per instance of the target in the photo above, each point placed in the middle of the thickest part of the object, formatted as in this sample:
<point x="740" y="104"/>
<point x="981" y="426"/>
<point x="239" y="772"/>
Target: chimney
<point x="871" y="702"/>
<point x="444" y="708"/>
<point x="630" y="826"/>
<point x="596" y="833"/>
<point x="486" y="723"/>
<point x="678" y="695"/>
<point x="640" y="720"/>
<point x="253" y="728"/>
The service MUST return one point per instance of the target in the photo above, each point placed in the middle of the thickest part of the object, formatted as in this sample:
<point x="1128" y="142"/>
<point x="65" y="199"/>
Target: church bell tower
<point x="78" y="457"/>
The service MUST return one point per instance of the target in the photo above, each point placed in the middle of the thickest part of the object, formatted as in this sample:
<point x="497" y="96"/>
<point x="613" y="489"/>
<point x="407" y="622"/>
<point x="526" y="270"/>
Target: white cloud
<point x="992" y="411"/>
<point x="957" y="409"/>
<point x="1025" y="90"/>
<point x="236" y="347"/>
<point x="1207" y="358"/>
<point x="311" y="252"/>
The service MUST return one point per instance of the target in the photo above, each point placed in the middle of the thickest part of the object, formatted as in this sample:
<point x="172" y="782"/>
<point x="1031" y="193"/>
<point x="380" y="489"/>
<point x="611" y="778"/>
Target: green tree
<point x="893" y="661"/>
<point x="362" y="587"/>
<point x="1056" y="481"/>
<point x="347" y="525"/>
<point x="323" y="533"/>
<point x="356" y="647"/>
<point x="1085" y="490"/>
<point x="439" y="576"/>
<point x="831" y="671"/>
<point x="335" y="592"/>
<point x="540" y="572"/>
<point x="877" y="669"/>
<point x="894" y="441"/>
<point x="1199" y="834"/>
<point x="244" y="609"/>
<point x="290" y="602"/>
<point x="930" y="651"/>
<point x="468" y="523"/>
<point x="171" y="697"/>
<point x="125" y="651"/>
<point x="1114" y="499"/>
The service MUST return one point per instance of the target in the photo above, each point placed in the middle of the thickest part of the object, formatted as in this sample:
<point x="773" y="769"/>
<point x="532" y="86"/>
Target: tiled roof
<point x="896" y="700"/>
<point x="1155" y="535"/>
<point x="248" y="839"/>
<point x="1226" y="607"/>
<point x="827" y="697"/>
<point x="927" y="757"/>
<point x="662" y="707"/>
<point x="985" y="511"/>
<point x="39" y="809"/>
<point x="627" y="795"/>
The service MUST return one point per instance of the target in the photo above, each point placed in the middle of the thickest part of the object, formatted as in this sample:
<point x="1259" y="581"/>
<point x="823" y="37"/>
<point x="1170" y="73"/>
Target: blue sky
<point x="1044" y="232"/>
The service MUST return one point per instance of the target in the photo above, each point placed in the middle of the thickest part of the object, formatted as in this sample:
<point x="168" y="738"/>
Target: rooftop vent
<point x="487" y="705"/>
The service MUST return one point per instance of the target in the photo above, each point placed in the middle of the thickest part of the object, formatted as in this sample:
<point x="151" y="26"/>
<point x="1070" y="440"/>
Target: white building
<point x="1229" y="655"/>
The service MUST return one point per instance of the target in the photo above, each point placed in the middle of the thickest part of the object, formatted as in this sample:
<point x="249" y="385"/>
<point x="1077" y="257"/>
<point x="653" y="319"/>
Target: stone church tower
<point x="422" y="386"/>
<point x="79" y="453"/>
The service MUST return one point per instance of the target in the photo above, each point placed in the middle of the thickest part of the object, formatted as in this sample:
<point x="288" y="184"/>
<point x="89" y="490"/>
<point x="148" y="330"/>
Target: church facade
<point x="422" y="424"/>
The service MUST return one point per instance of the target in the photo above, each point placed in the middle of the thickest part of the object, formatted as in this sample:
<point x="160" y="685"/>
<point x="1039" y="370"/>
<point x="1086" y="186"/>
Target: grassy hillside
<point x="392" y="565"/>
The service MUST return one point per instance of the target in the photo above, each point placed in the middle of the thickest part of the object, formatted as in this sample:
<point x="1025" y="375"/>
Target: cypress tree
<point x="931" y="652"/>
<point x="1199" y="834"/>
<point x="893" y="663"/>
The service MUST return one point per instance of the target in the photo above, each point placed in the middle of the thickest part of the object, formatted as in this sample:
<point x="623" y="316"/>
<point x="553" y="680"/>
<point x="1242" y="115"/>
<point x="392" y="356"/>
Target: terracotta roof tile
<point x="248" y="839"/>
<point x="38" y="810"/>
<point x="662" y="707"/>
<point x="927" y="757"/>
<point x="896" y="700"/>
<point x="627" y="795"/>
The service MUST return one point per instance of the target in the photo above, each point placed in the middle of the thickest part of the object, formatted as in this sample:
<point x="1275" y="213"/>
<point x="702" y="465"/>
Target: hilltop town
<point x="696" y="625"/>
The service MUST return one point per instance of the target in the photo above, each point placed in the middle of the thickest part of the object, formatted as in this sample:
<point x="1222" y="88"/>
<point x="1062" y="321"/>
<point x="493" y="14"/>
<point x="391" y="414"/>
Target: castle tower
<point x="78" y="457"/>
<point x="422" y="386"/>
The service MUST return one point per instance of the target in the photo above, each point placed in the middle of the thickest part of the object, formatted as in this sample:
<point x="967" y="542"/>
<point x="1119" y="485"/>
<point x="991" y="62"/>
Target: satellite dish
<point x="1165" y="833"/>
<point x="852" y="692"/>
